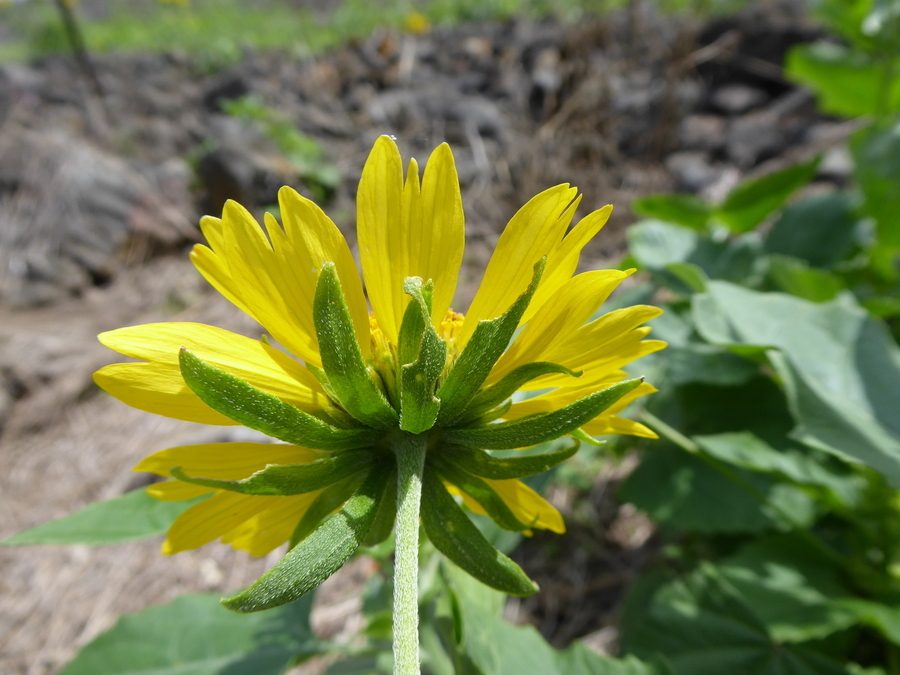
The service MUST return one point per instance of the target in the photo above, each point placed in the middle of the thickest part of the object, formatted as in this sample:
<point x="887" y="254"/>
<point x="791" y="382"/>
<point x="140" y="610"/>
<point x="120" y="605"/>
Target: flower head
<point x="349" y="384"/>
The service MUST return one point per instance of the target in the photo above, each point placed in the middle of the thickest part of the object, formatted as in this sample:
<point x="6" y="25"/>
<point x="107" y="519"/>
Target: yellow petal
<point x="176" y="491"/>
<point x="158" y="389"/>
<point x="532" y="233"/>
<point x="528" y="506"/>
<point x="267" y="284"/>
<point x="437" y="243"/>
<point x="225" y="461"/>
<point x="562" y="261"/>
<point x="607" y="425"/>
<point x="159" y="384"/>
<point x="310" y="239"/>
<point x="269" y="529"/>
<point x="572" y="305"/>
<point x="408" y="229"/>
<point x="212" y="518"/>
<point x="379" y="221"/>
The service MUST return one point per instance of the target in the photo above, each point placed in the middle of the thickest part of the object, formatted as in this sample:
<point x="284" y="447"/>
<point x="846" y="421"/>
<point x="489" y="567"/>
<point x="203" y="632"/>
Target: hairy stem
<point x="410" y="451"/>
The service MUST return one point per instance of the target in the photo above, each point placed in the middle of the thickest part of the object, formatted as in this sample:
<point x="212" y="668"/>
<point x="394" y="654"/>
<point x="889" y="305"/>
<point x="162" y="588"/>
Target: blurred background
<point x="752" y="152"/>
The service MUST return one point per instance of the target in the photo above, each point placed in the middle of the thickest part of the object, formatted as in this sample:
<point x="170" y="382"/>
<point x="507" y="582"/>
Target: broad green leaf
<point x="482" y="493"/>
<point x="342" y="359"/>
<point x="791" y="587"/>
<point x="263" y="412"/>
<point x="750" y="452"/>
<point x="486" y="644"/>
<point x="418" y="405"/>
<point x="497" y="393"/>
<point x="685" y="494"/>
<point x="480" y="463"/>
<point x="883" y="618"/>
<point x="708" y="364"/>
<point x="876" y="151"/>
<point x="319" y="555"/>
<point x="134" y="515"/>
<point x="195" y="635"/>
<point x="488" y="342"/>
<point x="689" y="274"/>
<point x="840" y="367"/>
<point x="700" y="625"/>
<point x="454" y="535"/>
<point x="847" y="83"/>
<point x="536" y="429"/>
<point x="795" y="277"/>
<point x="751" y="202"/>
<point x="664" y="248"/>
<point x="819" y="230"/>
<point x="290" y="479"/>
<point x="678" y="208"/>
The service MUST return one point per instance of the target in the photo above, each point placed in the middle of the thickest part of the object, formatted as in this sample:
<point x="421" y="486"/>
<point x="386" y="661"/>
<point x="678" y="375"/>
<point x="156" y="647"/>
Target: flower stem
<point x="410" y="451"/>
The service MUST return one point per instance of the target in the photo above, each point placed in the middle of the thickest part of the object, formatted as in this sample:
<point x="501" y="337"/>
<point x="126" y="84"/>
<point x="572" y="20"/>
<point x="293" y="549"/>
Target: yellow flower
<point x="407" y="228"/>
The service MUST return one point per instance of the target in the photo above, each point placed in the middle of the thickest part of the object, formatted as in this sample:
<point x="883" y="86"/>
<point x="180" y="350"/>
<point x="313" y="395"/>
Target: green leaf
<point x="500" y="391"/>
<point x="708" y="364"/>
<point x="683" y="493"/>
<point x="665" y="249"/>
<point x="194" y="635"/>
<point x="791" y="587"/>
<point x="678" y="208"/>
<point x="751" y="202"/>
<point x="482" y="493"/>
<point x="290" y="479"/>
<point x="876" y="151"/>
<point x="488" y="342"/>
<point x="480" y="463"/>
<point x="541" y="428"/>
<point x="701" y="626"/>
<point x="847" y="83"/>
<point x="418" y="405"/>
<point x="134" y="515"/>
<point x="454" y="535"/>
<point x="797" y="278"/>
<point x="750" y="452"/>
<point x="263" y="412"/>
<point x="320" y="554"/>
<point x="840" y="367"/>
<point x="819" y="230"/>
<point x="342" y="359"/>
<point x="883" y="618"/>
<point x="485" y="644"/>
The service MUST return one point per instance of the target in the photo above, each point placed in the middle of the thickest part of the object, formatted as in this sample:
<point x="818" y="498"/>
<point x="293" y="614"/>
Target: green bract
<point x="442" y="403"/>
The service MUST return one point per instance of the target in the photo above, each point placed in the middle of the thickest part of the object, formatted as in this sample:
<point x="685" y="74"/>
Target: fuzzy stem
<point x="410" y="451"/>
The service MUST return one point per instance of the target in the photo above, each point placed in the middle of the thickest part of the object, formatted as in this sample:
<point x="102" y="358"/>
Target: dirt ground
<point x="98" y="203"/>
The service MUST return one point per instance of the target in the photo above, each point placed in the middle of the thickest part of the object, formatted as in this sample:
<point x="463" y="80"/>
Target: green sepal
<point x="500" y="391"/>
<point x="290" y="479"/>
<point x="454" y="535"/>
<point x="484" y="494"/>
<point x="542" y="427"/>
<point x="324" y="505"/>
<point x="319" y="555"/>
<point x="387" y="514"/>
<point x="488" y="342"/>
<point x="418" y="341"/>
<point x="342" y="360"/>
<point x="480" y="463"/>
<point x="490" y="415"/>
<point x="268" y="414"/>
